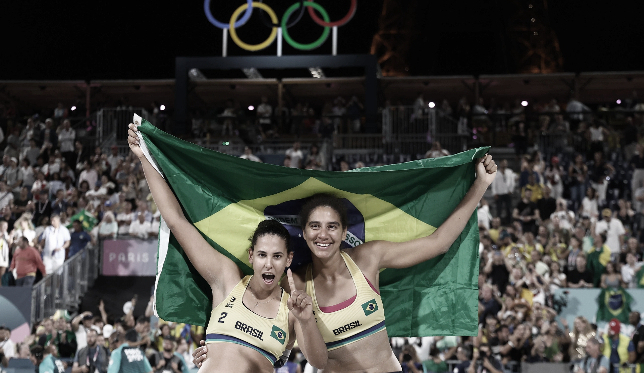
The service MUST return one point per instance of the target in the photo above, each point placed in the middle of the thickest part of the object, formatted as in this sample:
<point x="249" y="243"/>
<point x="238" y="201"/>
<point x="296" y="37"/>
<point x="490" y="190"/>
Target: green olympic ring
<point x="293" y="43"/>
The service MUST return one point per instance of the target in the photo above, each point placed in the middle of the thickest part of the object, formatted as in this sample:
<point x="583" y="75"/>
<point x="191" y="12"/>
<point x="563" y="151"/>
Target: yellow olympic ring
<point x="264" y="44"/>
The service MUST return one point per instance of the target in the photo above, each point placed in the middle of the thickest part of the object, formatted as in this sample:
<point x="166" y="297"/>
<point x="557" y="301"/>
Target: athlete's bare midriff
<point x="229" y="357"/>
<point x="369" y="355"/>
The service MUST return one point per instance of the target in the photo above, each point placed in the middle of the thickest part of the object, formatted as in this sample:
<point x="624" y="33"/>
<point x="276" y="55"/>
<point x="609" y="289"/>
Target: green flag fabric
<point x="640" y="277"/>
<point x="596" y="262"/>
<point x="614" y="303"/>
<point x="88" y="221"/>
<point x="226" y="197"/>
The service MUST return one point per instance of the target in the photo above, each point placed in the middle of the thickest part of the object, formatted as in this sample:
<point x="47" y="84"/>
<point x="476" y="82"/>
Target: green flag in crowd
<point x="226" y="197"/>
<point x="640" y="277"/>
<point x="596" y="262"/>
<point x="614" y="303"/>
<point x="88" y="221"/>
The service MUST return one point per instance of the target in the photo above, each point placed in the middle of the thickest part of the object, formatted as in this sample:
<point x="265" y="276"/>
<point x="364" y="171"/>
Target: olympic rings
<point x="345" y="19"/>
<point x="293" y="43"/>
<point x="275" y="23"/>
<point x="221" y="25"/>
<point x="299" y="17"/>
<point x="265" y="43"/>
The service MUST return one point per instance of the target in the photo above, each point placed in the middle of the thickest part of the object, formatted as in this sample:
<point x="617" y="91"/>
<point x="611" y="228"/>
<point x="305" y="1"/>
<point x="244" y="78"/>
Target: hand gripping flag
<point x="226" y="197"/>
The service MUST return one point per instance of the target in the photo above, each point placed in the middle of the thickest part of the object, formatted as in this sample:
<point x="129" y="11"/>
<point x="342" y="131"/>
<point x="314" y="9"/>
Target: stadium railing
<point x="64" y="288"/>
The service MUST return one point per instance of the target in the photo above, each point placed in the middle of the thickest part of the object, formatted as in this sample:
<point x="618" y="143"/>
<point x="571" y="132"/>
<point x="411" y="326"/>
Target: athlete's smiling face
<point x="269" y="259"/>
<point x="324" y="232"/>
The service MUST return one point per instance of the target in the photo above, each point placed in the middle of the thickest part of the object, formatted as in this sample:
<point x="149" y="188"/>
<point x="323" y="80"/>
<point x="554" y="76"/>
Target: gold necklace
<point x="257" y="302"/>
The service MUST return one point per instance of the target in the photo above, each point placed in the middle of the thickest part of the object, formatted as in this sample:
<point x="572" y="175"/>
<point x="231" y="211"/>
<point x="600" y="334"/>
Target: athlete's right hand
<point x="299" y="303"/>
<point x="133" y="139"/>
<point x="200" y="354"/>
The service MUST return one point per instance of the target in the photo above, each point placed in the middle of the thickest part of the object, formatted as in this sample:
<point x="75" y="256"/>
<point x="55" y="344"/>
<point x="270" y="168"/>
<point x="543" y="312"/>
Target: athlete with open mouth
<point x="254" y="321"/>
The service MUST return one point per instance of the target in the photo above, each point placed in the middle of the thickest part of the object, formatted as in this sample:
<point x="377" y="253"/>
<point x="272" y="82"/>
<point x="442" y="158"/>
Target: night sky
<point x="140" y="39"/>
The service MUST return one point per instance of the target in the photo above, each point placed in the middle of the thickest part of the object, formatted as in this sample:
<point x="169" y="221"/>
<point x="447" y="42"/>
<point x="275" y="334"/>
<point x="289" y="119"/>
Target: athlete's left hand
<point x="299" y="303"/>
<point x="486" y="170"/>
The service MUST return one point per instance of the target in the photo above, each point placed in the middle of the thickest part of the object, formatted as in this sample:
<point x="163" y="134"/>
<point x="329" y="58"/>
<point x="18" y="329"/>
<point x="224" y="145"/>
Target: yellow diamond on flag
<point x="238" y="221"/>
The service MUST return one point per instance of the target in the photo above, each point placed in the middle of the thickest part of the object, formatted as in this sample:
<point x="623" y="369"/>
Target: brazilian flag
<point x="597" y="260"/>
<point x="614" y="303"/>
<point x="88" y="221"/>
<point x="226" y="197"/>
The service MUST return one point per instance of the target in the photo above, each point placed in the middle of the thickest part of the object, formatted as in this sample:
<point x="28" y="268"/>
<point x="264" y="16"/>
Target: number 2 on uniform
<point x="222" y="317"/>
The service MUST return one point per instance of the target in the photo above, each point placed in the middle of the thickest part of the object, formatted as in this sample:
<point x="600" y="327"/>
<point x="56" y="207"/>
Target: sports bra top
<point x="231" y="321"/>
<point x="363" y="317"/>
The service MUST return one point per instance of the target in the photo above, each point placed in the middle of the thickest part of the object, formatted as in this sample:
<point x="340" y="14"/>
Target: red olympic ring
<point x="347" y="18"/>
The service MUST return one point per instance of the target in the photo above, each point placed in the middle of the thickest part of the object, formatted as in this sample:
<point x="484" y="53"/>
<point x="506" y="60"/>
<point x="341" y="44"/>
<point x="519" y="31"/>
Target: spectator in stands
<point x="140" y="227"/>
<point x="629" y="269"/>
<point x="580" y="277"/>
<point x="26" y="260"/>
<point x="546" y="205"/>
<point x="498" y="269"/>
<point x="611" y="278"/>
<point x="6" y="196"/>
<point x="13" y="144"/>
<point x="315" y="158"/>
<point x="126" y="359"/>
<point x="81" y="155"/>
<point x="88" y="174"/>
<point x="526" y="212"/>
<point x="33" y="152"/>
<point x="59" y="205"/>
<point x="41" y="208"/>
<point x="409" y="360"/>
<point x="40" y="185"/>
<point x="354" y="112"/>
<point x="634" y="318"/>
<point x="614" y="231"/>
<point x="590" y="204"/>
<point x="55" y="240"/>
<point x="45" y="361"/>
<point x="264" y="115"/>
<point x="5" y="249"/>
<point x="484" y="361"/>
<point x="436" y="151"/>
<point x="594" y="362"/>
<point x="93" y="358"/>
<point x="66" y="138"/>
<point x="48" y="136"/>
<point x="502" y="189"/>
<point x="248" y="154"/>
<point x="21" y="203"/>
<point x="296" y="155"/>
<point x="64" y="338"/>
<point x="78" y="238"/>
<point x="11" y="176"/>
<point x="81" y="324"/>
<point x="124" y="217"/>
<point x="618" y="348"/>
<point x="26" y="174"/>
<point x="601" y="171"/>
<point x="166" y="360"/>
<point x="108" y="227"/>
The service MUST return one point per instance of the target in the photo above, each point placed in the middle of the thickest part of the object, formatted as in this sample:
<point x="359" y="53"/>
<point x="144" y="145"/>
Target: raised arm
<point x="213" y="266"/>
<point x="407" y="254"/>
<point x="308" y="335"/>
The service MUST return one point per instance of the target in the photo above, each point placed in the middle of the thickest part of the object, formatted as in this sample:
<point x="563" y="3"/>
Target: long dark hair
<point x="326" y="200"/>
<point x="273" y="227"/>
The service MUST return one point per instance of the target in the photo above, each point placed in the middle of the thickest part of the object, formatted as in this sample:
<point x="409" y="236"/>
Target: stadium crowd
<point x="569" y="216"/>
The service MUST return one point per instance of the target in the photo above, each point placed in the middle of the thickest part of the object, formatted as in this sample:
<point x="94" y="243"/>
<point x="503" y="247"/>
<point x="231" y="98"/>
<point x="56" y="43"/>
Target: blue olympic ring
<point x="221" y="25"/>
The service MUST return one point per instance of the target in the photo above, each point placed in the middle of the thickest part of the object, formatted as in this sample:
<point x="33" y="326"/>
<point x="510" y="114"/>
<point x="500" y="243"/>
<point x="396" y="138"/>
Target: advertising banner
<point x="130" y="257"/>
<point x="15" y="311"/>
